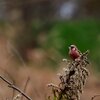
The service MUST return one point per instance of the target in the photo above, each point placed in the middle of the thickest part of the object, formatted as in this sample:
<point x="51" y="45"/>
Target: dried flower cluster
<point x="72" y="80"/>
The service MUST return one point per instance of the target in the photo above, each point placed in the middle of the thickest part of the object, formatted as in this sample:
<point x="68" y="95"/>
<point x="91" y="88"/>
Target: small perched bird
<point x="74" y="52"/>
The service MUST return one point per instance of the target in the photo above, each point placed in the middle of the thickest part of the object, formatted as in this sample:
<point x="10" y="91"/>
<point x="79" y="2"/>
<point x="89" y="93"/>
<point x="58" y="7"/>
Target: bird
<point x="74" y="53"/>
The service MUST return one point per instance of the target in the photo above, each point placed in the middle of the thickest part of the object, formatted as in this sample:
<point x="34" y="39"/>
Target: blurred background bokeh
<point x="34" y="38"/>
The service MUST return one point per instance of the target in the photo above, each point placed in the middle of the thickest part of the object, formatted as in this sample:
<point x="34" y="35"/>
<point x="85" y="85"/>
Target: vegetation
<point x="72" y="80"/>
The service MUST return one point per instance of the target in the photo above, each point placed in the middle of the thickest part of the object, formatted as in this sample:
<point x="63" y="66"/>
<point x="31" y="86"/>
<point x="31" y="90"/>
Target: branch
<point x="13" y="81"/>
<point x="94" y="97"/>
<point x="15" y="88"/>
<point x="26" y="83"/>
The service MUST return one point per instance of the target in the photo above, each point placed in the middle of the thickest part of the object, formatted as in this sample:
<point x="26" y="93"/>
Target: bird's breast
<point x="74" y="54"/>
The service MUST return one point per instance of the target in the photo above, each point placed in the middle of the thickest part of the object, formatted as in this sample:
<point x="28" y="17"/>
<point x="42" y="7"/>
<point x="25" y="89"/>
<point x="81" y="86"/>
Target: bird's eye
<point x="72" y="47"/>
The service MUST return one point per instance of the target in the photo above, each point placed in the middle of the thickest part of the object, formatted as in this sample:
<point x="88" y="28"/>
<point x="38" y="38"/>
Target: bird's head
<point x="72" y="47"/>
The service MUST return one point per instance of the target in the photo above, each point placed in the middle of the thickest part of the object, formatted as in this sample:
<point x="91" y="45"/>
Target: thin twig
<point x="26" y="83"/>
<point x="94" y="97"/>
<point x="13" y="81"/>
<point x="11" y="85"/>
<point x="12" y="48"/>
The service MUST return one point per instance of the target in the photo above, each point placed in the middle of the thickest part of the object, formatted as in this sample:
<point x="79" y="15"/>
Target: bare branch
<point x="11" y="85"/>
<point x="13" y="81"/>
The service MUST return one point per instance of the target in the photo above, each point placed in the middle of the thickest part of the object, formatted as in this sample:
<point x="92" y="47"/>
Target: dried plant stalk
<point x="72" y="80"/>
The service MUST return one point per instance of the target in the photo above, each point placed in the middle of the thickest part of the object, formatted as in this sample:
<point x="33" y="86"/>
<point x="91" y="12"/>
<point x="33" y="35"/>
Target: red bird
<point x="74" y="52"/>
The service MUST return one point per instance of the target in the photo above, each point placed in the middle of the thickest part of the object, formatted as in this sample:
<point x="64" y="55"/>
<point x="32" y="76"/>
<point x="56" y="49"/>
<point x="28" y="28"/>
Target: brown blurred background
<point x="34" y="38"/>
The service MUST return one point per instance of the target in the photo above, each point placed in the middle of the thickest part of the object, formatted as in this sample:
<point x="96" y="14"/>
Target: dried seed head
<point x="72" y="80"/>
